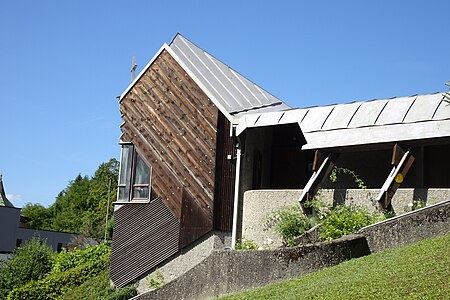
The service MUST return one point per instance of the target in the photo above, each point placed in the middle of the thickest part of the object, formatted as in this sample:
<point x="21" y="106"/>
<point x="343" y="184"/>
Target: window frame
<point x="128" y="183"/>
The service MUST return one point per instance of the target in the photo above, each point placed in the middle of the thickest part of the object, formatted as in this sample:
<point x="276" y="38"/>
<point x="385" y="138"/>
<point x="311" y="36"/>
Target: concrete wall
<point x="259" y="203"/>
<point x="408" y="228"/>
<point x="225" y="272"/>
<point x="9" y="223"/>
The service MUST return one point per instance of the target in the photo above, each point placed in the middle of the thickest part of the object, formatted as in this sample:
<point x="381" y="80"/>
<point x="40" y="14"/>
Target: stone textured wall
<point x="259" y="203"/>
<point x="409" y="228"/>
<point x="225" y="272"/>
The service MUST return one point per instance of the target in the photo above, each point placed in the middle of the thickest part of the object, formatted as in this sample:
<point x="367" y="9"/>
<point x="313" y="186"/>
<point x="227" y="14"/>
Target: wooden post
<point x="322" y="166"/>
<point x="402" y="161"/>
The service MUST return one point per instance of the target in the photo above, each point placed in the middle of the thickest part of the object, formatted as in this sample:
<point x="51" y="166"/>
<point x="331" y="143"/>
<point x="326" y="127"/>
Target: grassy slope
<point x="418" y="271"/>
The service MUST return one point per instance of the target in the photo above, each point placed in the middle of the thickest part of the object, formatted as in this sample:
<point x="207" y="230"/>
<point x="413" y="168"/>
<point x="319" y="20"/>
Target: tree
<point x="39" y="216"/>
<point x="30" y="262"/>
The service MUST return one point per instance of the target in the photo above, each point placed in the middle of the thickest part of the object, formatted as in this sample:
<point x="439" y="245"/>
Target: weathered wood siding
<point x="225" y="176"/>
<point x="173" y="125"/>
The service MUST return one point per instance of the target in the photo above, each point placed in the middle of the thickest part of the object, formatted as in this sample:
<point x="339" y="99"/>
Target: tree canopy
<point x="81" y="206"/>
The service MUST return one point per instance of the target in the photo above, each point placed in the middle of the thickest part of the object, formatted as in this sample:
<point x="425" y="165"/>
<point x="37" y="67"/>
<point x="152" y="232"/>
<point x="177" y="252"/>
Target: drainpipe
<point x="236" y="195"/>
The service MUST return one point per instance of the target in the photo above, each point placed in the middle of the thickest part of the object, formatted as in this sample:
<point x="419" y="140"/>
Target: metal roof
<point x="236" y="94"/>
<point x="357" y="123"/>
<point x="3" y="200"/>
<point x="231" y="92"/>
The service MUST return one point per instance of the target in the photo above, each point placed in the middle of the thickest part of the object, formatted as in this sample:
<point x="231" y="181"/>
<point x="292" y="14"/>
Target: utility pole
<point x="107" y="208"/>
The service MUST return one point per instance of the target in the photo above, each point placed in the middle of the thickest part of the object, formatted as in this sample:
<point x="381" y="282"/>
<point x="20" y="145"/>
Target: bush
<point x="98" y="288"/>
<point x="69" y="259"/>
<point x="343" y="220"/>
<point x="57" y="284"/>
<point x="31" y="262"/>
<point x="245" y="244"/>
<point x="289" y="222"/>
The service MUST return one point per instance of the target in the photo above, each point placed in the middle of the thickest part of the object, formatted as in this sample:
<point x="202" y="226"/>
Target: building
<point x="14" y="232"/>
<point x="196" y="135"/>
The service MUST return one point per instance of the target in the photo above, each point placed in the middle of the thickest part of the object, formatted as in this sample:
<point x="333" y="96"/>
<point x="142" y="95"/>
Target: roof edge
<point x="147" y="66"/>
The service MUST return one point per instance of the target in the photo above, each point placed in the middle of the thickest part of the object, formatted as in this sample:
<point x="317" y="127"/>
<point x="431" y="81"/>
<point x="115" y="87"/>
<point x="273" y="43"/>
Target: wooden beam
<point x="402" y="162"/>
<point x="322" y="166"/>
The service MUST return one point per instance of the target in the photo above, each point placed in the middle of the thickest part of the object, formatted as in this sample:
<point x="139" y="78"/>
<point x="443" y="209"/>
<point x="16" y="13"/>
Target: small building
<point x="13" y="232"/>
<point x="196" y="135"/>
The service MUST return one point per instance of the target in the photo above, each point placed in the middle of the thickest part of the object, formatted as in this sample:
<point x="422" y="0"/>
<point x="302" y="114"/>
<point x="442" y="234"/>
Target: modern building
<point x="196" y="135"/>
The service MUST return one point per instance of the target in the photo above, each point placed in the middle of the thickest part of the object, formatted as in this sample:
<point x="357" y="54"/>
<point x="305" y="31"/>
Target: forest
<point x="81" y="207"/>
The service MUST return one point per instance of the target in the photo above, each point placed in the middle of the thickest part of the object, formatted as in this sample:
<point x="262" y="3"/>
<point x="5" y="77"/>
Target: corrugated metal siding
<point x="173" y="125"/>
<point x="225" y="178"/>
<point x="144" y="236"/>
<point x="234" y="92"/>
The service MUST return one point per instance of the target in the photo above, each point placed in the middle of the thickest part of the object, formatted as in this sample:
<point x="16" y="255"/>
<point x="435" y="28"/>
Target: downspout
<point x="236" y="195"/>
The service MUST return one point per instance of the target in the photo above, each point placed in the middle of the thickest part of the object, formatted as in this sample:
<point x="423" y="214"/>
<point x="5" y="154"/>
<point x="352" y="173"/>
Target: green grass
<point x="418" y="271"/>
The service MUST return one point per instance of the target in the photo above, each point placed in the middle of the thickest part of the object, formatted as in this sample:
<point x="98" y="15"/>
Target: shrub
<point x="343" y="220"/>
<point x="30" y="262"/>
<point x="288" y="221"/>
<point x="155" y="280"/>
<point x="245" y="244"/>
<point x="57" y="284"/>
<point x="98" y="287"/>
<point x="69" y="259"/>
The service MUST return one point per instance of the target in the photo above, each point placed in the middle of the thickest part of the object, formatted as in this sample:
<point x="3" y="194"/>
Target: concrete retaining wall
<point x="409" y="228"/>
<point x="225" y="272"/>
<point x="259" y="203"/>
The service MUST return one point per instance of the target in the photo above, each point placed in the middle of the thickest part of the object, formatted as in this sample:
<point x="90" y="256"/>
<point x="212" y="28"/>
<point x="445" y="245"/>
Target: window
<point x="134" y="176"/>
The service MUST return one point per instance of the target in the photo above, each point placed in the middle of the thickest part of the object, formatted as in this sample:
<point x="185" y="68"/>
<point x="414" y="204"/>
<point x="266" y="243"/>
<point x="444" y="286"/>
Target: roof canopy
<point x="358" y="123"/>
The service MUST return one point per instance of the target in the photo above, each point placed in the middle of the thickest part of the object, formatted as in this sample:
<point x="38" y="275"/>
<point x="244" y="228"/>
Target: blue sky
<point x="62" y="64"/>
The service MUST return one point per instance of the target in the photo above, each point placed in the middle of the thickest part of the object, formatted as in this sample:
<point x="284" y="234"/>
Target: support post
<point x="402" y="162"/>
<point x="322" y="166"/>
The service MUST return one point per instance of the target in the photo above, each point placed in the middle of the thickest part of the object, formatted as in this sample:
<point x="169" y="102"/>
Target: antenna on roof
<point x="133" y="68"/>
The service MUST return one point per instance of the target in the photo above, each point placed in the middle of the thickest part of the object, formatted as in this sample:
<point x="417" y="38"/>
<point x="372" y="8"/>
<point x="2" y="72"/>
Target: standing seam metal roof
<point x="413" y="117"/>
<point x="236" y="94"/>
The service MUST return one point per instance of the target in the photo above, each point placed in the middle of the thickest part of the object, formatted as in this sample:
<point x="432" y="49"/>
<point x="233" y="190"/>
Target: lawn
<point x="418" y="271"/>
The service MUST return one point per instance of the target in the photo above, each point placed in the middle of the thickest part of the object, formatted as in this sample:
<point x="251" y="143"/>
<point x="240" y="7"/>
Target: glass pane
<point x="124" y="193"/>
<point x="140" y="193"/>
<point x="125" y="164"/>
<point x="142" y="175"/>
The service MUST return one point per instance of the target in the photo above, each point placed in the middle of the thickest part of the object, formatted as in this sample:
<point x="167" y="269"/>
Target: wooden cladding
<point x="144" y="236"/>
<point x="225" y="177"/>
<point x="173" y="125"/>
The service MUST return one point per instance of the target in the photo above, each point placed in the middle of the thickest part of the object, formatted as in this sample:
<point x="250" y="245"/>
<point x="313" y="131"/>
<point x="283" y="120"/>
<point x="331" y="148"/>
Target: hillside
<point x="417" y="271"/>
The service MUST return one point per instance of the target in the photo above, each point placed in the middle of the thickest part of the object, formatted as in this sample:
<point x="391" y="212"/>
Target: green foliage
<point x="69" y="259"/>
<point x="418" y="271"/>
<point x="81" y="206"/>
<point x="57" y="284"/>
<point x="245" y="244"/>
<point x="337" y="170"/>
<point x="342" y="220"/>
<point x="155" y="280"/>
<point x="30" y="262"/>
<point x="98" y="288"/>
<point x="288" y="221"/>
<point x="38" y="215"/>
<point x="417" y="204"/>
